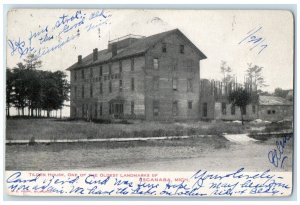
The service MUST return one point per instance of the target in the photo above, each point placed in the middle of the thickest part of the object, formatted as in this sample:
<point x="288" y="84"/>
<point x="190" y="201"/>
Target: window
<point x="110" y="86"/>
<point x="155" y="63"/>
<point x="132" y="107"/>
<point x="91" y="90"/>
<point x="174" y="83"/>
<point x="82" y="74"/>
<point x="120" y="85"/>
<point x="181" y="48"/>
<point x="75" y="92"/>
<point x="75" y="75"/>
<point x="132" y="64"/>
<point x="204" y="109"/>
<point x="105" y="78"/>
<point x="253" y="109"/>
<point x="91" y="72"/>
<point x="273" y="111"/>
<point x="100" y="70"/>
<point x="95" y="111"/>
<point x="244" y="110"/>
<point x="132" y="84"/>
<point x="120" y="67"/>
<point x="190" y="85"/>
<point x="109" y="69"/>
<point x="101" y="88"/>
<point x="269" y="112"/>
<point x="232" y="110"/>
<point x="164" y="48"/>
<point x="100" y="109"/>
<point x="175" y="108"/>
<point x="82" y="110"/>
<point x="155" y="83"/>
<point x="82" y="91"/>
<point x="155" y="107"/>
<point x="190" y="105"/>
<point x="223" y="108"/>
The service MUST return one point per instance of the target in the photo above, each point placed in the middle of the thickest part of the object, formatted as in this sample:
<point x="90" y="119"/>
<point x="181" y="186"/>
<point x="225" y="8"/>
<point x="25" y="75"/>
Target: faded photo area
<point x="149" y="90"/>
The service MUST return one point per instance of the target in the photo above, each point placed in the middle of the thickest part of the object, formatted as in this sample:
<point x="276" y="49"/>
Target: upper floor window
<point x="174" y="83"/>
<point x="164" y="48"/>
<point x="82" y="91"/>
<point x="190" y="104"/>
<point x="75" y="75"/>
<point x="175" y="108"/>
<point x="109" y="69"/>
<point x="132" y="64"/>
<point x="100" y="70"/>
<point x="110" y="86"/>
<point x="190" y="85"/>
<point x="120" y="85"/>
<point x="132" y="84"/>
<point x="91" y="90"/>
<point x="155" y="83"/>
<point x="75" y="92"/>
<point x="82" y="73"/>
<point x="155" y="63"/>
<point x="120" y="67"/>
<point x="101" y="88"/>
<point x="91" y="72"/>
<point x="181" y="48"/>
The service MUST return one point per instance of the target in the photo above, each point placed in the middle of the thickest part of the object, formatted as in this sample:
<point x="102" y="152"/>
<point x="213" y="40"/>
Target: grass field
<point x="26" y="129"/>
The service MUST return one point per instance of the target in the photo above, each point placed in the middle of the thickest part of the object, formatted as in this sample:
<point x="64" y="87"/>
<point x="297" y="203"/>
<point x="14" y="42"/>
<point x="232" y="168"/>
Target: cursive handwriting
<point x="202" y="183"/>
<point x="65" y="29"/>
<point x="254" y="40"/>
<point x="276" y="156"/>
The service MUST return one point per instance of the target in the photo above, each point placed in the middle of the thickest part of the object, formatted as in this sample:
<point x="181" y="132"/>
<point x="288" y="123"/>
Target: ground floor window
<point x="253" y="109"/>
<point x="132" y="108"/>
<point x="223" y="108"/>
<point x="244" y="110"/>
<point x="116" y="109"/>
<point x="175" y="108"/>
<point x="155" y="107"/>
<point x="190" y="104"/>
<point x="232" y="110"/>
<point x="204" y="109"/>
<point x="100" y="109"/>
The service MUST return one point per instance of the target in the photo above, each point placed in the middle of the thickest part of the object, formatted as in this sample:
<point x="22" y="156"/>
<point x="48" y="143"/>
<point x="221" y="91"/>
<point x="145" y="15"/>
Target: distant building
<point x="214" y="103"/>
<point x="152" y="78"/>
<point x="274" y="108"/>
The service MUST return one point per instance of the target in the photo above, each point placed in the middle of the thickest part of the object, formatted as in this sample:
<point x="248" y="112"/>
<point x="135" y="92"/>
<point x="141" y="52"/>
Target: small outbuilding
<point x="273" y="108"/>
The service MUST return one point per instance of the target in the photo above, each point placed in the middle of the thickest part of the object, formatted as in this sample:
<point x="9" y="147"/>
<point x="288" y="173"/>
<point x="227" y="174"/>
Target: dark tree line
<point x="27" y="87"/>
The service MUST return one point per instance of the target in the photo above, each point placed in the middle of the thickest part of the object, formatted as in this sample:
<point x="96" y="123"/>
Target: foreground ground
<point x="208" y="152"/>
<point x="26" y="129"/>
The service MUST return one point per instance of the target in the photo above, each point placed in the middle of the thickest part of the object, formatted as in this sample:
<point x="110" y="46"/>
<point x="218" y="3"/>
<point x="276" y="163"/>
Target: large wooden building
<point x="152" y="78"/>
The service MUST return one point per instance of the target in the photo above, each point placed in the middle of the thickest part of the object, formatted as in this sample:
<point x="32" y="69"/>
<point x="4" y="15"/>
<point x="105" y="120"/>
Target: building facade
<point x="214" y="103"/>
<point x="273" y="108"/>
<point x="151" y="78"/>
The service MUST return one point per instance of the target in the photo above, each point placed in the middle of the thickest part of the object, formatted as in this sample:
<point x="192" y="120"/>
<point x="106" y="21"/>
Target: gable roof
<point x="139" y="47"/>
<point x="273" y="100"/>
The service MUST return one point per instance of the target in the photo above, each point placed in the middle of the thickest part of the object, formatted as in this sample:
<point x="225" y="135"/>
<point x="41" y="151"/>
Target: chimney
<point x="95" y="54"/>
<point x="79" y="59"/>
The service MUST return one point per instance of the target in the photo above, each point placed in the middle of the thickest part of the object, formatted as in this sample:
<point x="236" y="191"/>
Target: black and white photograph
<point x="149" y="90"/>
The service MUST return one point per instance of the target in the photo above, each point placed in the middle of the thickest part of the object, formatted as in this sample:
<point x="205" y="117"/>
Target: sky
<point x="218" y="34"/>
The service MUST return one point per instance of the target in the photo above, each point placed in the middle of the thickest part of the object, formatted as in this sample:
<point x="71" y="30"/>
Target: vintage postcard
<point x="137" y="102"/>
